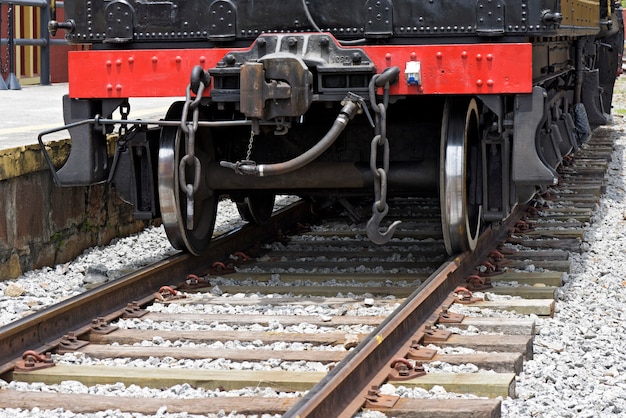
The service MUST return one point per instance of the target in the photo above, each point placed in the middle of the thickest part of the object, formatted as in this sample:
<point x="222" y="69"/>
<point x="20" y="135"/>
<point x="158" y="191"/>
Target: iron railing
<point x="43" y="41"/>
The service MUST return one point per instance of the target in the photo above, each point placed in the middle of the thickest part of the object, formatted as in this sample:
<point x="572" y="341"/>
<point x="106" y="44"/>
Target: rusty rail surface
<point x="343" y="392"/>
<point x="43" y="330"/>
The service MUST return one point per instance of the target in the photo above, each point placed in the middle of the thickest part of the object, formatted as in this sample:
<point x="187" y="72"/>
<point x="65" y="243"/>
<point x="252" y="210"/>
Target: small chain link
<point x="124" y="111"/>
<point x="250" y="143"/>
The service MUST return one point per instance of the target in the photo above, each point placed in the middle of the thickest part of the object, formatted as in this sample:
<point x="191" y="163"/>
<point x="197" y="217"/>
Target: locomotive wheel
<point x="460" y="181"/>
<point x="173" y="199"/>
<point x="257" y="208"/>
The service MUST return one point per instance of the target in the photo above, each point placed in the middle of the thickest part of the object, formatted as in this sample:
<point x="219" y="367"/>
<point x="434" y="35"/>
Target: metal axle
<point x="403" y="176"/>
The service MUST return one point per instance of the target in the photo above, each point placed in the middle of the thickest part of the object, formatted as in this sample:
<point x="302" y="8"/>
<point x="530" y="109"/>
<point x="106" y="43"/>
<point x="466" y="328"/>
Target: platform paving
<point x="25" y="113"/>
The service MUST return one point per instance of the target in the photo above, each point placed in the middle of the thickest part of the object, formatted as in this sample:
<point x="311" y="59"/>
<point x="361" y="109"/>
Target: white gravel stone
<point x="579" y="364"/>
<point x="40" y="288"/>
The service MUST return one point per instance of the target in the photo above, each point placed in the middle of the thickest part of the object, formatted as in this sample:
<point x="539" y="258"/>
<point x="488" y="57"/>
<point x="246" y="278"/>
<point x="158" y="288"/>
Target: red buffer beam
<point x="426" y="69"/>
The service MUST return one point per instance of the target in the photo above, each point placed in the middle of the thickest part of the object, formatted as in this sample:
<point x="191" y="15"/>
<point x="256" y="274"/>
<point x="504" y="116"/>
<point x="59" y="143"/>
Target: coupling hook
<point x="373" y="225"/>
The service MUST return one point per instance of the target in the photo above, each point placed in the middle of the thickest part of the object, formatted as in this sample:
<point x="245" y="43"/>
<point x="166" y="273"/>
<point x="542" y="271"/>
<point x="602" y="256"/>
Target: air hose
<point x="349" y="110"/>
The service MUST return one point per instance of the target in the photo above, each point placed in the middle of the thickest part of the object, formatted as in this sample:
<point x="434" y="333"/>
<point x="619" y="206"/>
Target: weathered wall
<point x="44" y="225"/>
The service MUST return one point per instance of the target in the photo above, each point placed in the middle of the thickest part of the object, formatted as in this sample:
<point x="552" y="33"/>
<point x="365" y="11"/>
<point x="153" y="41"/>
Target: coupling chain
<point x="190" y="159"/>
<point x="380" y="208"/>
<point x="380" y="140"/>
<point x="380" y="173"/>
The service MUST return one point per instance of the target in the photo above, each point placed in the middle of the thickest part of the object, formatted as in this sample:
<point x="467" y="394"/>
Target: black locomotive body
<point x="477" y="101"/>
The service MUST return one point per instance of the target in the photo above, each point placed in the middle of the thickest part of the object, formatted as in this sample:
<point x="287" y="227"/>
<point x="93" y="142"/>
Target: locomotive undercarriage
<point x="456" y="147"/>
<point x="328" y="134"/>
<point x="475" y="102"/>
<point x="469" y="150"/>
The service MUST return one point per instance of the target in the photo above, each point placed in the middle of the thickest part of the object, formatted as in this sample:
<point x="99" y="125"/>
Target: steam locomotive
<point x="476" y="101"/>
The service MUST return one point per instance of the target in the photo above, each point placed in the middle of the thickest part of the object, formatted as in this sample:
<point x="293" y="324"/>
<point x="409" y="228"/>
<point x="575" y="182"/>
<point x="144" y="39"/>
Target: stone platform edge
<point x="45" y="225"/>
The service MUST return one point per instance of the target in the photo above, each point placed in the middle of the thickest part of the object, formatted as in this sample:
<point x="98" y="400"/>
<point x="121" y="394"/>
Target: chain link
<point x="380" y="173"/>
<point x="124" y="111"/>
<point x="380" y="208"/>
<point x="189" y="129"/>
<point x="250" y="143"/>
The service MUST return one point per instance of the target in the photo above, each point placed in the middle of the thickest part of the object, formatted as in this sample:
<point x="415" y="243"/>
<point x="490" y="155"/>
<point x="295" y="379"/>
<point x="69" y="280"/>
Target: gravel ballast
<point x="579" y="364"/>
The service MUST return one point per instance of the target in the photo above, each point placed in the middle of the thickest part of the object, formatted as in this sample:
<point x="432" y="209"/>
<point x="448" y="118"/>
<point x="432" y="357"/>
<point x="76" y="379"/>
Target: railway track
<point x="313" y="323"/>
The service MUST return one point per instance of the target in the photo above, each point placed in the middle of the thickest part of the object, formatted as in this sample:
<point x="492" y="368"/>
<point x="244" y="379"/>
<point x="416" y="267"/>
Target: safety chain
<point x="250" y="143"/>
<point x="124" y="134"/>
<point x="190" y="128"/>
<point x="380" y="208"/>
<point x="124" y="111"/>
<point x="239" y="166"/>
<point x="121" y="146"/>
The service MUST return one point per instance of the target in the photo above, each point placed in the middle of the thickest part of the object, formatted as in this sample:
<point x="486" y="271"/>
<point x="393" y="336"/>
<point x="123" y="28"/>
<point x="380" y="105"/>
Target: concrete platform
<point x="25" y="113"/>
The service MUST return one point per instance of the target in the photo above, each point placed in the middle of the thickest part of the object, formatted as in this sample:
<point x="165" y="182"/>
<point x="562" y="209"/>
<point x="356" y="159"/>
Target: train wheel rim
<point x="460" y="181"/>
<point x="257" y="208"/>
<point x="173" y="200"/>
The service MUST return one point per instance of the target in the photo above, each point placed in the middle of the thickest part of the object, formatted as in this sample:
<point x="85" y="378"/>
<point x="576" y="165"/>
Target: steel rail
<point x="343" y="391"/>
<point x="43" y="330"/>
